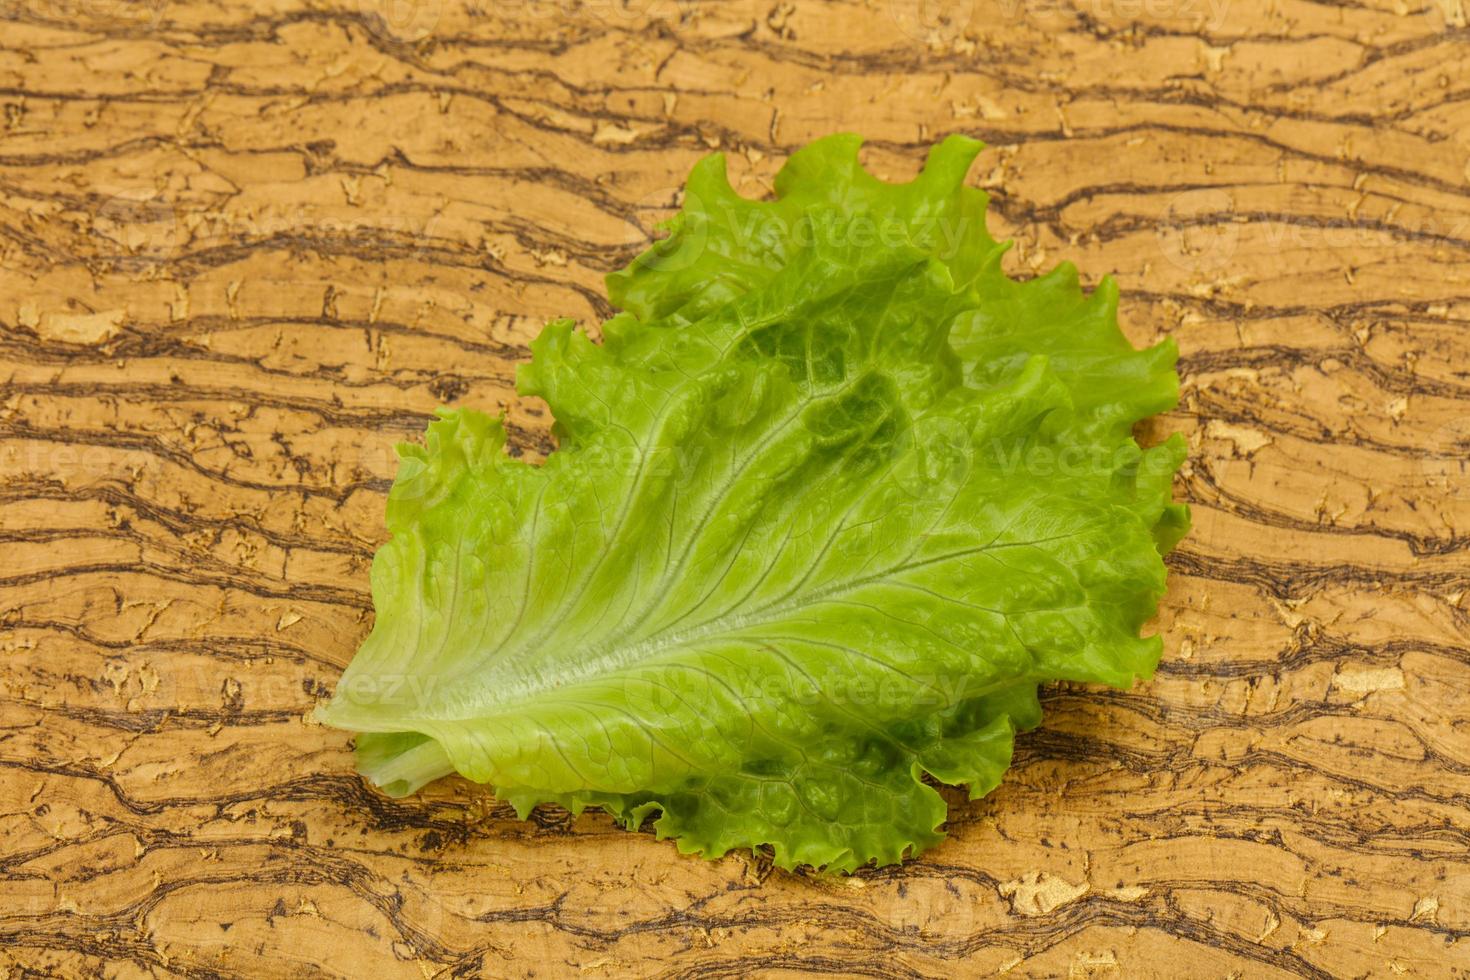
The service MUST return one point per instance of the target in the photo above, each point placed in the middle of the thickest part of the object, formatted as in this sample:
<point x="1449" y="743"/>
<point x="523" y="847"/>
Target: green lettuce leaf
<point x="830" y="501"/>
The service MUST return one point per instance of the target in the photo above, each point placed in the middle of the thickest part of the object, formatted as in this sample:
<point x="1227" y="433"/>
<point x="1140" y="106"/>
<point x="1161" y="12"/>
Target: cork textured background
<point x="245" y="247"/>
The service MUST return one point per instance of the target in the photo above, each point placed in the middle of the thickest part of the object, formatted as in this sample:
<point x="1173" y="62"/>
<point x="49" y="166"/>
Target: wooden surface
<point x="246" y="247"/>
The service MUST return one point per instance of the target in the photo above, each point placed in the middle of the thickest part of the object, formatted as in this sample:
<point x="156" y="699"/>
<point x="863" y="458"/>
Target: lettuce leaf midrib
<point x="644" y="651"/>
